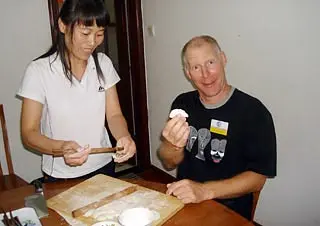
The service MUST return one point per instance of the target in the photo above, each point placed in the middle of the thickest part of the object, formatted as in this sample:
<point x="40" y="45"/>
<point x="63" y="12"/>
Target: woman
<point x="68" y="92"/>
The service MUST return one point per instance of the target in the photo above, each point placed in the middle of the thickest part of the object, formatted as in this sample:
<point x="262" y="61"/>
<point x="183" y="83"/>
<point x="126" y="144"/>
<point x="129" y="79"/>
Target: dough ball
<point x="176" y="112"/>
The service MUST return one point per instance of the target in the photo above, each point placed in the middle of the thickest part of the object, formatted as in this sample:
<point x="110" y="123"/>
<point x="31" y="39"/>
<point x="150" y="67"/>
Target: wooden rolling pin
<point x="81" y="211"/>
<point x="59" y="152"/>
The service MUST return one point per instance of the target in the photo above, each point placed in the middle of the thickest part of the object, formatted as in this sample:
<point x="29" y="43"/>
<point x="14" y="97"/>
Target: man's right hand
<point x="176" y="131"/>
<point x="75" y="155"/>
<point x="189" y="191"/>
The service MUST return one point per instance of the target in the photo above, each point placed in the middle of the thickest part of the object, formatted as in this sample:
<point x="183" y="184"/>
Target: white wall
<point x="273" y="51"/>
<point x="25" y="34"/>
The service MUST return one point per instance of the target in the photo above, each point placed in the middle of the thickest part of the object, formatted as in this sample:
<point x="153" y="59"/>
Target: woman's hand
<point x="129" y="149"/>
<point x="75" y="155"/>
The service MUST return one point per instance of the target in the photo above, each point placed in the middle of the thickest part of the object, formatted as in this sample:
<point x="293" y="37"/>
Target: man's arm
<point x="236" y="186"/>
<point x="170" y="155"/>
<point x="193" y="192"/>
<point x="174" y="139"/>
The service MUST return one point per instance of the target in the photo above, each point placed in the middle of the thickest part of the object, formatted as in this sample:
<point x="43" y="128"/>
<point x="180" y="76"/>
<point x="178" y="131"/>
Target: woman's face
<point x="83" y="41"/>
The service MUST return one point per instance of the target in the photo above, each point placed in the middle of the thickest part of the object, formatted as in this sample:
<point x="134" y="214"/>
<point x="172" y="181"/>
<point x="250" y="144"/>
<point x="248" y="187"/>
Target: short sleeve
<point x="260" y="143"/>
<point x="111" y="76"/>
<point x="31" y="86"/>
<point x="178" y="103"/>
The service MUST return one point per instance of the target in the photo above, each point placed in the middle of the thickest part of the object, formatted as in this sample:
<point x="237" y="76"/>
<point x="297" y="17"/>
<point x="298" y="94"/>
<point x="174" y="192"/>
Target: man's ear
<point x="187" y="73"/>
<point x="62" y="26"/>
<point x="223" y="58"/>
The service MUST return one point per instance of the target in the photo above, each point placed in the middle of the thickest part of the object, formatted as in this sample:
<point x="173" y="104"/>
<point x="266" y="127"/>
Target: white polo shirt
<point x="71" y="112"/>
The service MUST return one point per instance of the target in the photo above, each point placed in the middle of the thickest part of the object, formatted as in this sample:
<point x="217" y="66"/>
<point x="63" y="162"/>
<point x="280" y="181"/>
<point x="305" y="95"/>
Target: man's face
<point x="84" y="40"/>
<point x="205" y="68"/>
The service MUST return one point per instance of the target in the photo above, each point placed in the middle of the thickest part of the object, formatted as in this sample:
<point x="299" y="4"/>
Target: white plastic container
<point x="138" y="217"/>
<point x="107" y="223"/>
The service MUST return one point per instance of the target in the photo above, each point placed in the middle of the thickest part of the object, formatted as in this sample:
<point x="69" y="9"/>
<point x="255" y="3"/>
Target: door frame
<point x="137" y="68"/>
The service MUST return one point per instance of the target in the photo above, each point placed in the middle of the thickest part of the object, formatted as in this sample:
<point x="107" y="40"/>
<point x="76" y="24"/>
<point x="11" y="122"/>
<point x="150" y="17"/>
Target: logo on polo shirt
<point x="101" y="89"/>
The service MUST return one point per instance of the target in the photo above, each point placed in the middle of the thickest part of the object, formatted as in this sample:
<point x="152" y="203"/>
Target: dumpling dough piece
<point x="176" y="112"/>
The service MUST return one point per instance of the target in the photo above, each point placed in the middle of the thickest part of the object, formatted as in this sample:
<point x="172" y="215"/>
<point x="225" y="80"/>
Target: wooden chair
<point x="8" y="181"/>
<point x="255" y="202"/>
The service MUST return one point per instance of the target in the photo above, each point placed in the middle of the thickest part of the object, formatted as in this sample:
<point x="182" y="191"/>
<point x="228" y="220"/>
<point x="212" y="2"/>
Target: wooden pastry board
<point x="101" y="186"/>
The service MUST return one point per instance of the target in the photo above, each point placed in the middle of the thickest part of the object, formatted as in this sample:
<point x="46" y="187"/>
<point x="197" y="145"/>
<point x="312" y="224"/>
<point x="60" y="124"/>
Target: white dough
<point x="176" y="112"/>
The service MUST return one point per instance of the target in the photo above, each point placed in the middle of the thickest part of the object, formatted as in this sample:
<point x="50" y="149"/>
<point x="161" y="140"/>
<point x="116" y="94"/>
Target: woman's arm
<point x="30" y="128"/>
<point x="118" y="125"/>
<point x="116" y="121"/>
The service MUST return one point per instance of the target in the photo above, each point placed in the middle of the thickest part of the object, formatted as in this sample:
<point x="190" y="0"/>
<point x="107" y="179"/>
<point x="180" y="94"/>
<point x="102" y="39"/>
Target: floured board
<point x="100" y="186"/>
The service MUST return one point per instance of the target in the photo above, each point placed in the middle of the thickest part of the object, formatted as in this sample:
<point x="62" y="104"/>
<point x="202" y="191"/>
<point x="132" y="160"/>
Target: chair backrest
<point x="255" y="202"/>
<point x="6" y="142"/>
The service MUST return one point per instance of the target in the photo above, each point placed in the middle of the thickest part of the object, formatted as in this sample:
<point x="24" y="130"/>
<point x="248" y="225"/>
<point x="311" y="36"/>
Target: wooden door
<point x="117" y="46"/>
<point x="128" y="59"/>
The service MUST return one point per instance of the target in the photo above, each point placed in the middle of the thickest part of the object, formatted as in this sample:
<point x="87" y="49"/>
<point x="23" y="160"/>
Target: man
<point x="226" y="147"/>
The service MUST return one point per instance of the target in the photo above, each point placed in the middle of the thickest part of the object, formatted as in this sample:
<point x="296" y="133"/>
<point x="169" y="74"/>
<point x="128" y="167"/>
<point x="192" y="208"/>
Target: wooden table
<point x="207" y="213"/>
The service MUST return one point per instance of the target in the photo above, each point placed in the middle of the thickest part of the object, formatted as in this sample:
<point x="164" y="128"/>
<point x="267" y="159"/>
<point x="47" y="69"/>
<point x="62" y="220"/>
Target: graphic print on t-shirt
<point x="192" y="138"/>
<point x="204" y="137"/>
<point x="217" y="147"/>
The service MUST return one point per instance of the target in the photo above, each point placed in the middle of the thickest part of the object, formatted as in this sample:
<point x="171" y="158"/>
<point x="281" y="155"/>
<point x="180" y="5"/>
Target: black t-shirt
<point x="226" y="140"/>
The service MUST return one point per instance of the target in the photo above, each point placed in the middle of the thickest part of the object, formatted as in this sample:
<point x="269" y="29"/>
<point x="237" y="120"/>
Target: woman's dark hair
<point x="74" y="12"/>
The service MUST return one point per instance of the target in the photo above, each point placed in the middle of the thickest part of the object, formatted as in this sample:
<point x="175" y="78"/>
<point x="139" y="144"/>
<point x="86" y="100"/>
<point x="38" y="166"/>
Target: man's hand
<point x="175" y="136"/>
<point x="189" y="191"/>
<point x="75" y="155"/>
<point x="129" y="149"/>
<point x="176" y="131"/>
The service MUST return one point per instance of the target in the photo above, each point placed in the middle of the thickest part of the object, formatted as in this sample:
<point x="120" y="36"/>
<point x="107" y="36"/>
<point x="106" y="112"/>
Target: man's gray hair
<point x="197" y="42"/>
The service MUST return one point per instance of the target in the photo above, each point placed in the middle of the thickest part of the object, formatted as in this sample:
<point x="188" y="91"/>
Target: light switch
<point x="152" y="30"/>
